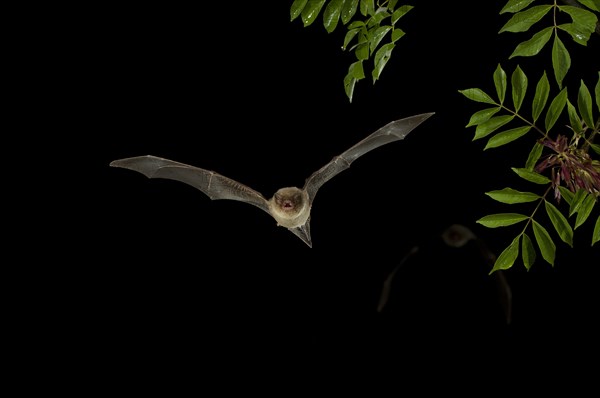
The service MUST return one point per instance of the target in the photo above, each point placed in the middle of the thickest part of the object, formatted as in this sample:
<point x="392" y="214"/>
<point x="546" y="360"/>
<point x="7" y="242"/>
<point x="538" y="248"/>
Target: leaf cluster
<point x="567" y="166"/>
<point x="577" y="22"/>
<point x="370" y="35"/>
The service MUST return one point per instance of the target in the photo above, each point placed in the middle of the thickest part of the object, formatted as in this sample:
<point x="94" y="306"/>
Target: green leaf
<point x="362" y="51"/>
<point x="507" y="258"/>
<point x="528" y="252"/>
<point x="356" y="70"/>
<point x="376" y="37"/>
<point x="556" y="108"/>
<point x="500" y="82"/>
<point x="311" y="11"/>
<point x="566" y="194"/>
<point x="382" y="56"/>
<point x="574" y="118"/>
<point x="596" y="233"/>
<point x="523" y="20"/>
<point x="355" y="73"/>
<point x="585" y="210"/>
<point x="531" y="176"/>
<point x="348" y="10"/>
<point x="595" y="148"/>
<point x="296" y="8"/>
<point x="597" y="90"/>
<point x="501" y="219"/>
<point x="349" y="83"/>
<point x="507" y="136"/>
<point x="593" y="4"/>
<point x="544" y="241"/>
<point x="491" y="125"/>
<point x="379" y="15"/>
<point x="400" y="12"/>
<point x="519" y="87"/>
<point x="367" y="7"/>
<point x="476" y="94"/>
<point x="575" y="32"/>
<point x="349" y="36"/>
<point x="512" y="196"/>
<point x="584" y="104"/>
<point x="397" y="33"/>
<point x="331" y="15"/>
<point x="561" y="225"/>
<point x="561" y="60"/>
<point x="584" y="22"/>
<point x="357" y="24"/>
<point x="482" y="116"/>
<point x="534" y="45"/>
<point x="515" y="6"/>
<point x="542" y="89"/>
<point x="534" y="156"/>
<point x="575" y="204"/>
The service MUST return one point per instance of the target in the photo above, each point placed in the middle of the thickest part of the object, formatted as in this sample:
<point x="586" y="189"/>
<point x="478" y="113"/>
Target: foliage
<point x="562" y="165"/>
<point x="365" y="36"/>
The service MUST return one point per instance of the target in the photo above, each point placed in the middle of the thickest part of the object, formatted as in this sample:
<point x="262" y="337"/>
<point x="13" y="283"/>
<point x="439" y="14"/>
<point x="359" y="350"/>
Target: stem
<point x="523" y="119"/>
<point x="542" y="199"/>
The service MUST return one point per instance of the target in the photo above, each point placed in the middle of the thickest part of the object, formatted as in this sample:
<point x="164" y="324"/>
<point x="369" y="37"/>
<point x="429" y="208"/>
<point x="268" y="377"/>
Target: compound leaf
<point x="585" y="210"/>
<point x="519" y="87"/>
<point x="534" y="45"/>
<point x="544" y="241"/>
<point x="528" y="251"/>
<point x="501" y="219"/>
<point x="561" y="225"/>
<point x="534" y="155"/>
<point x="523" y="20"/>
<point x="511" y="196"/>
<point x="542" y="89"/>
<point x="561" y="60"/>
<point x="556" y="108"/>
<point x="491" y="125"/>
<point x="476" y="94"/>
<point x="515" y="6"/>
<point x="531" y="176"/>
<point x="596" y="233"/>
<point x="500" y="82"/>
<point x="584" y="104"/>
<point x="507" y="136"/>
<point x="482" y="116"/>
<point x="311" y="11"/>
<point x="507" y="258"/>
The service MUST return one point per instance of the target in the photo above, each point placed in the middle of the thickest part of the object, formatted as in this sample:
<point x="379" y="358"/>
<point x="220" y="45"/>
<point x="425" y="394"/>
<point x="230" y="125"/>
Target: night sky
<point x="244" y="91"/>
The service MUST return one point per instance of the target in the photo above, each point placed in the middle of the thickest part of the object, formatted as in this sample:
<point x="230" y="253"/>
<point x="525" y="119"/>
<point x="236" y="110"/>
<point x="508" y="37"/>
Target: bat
<point x="289" y="206"/>
<point x="457" y="236"/>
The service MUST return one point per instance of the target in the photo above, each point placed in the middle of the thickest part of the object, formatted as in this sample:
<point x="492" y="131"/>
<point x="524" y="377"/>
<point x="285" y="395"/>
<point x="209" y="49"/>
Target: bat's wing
<point x="391" y="132"/>
<point x="214" y="185"/>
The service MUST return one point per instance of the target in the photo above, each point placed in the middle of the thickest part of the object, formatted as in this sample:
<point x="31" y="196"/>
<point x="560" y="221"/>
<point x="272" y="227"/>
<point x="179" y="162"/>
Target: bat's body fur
<point x="290" y="206"/>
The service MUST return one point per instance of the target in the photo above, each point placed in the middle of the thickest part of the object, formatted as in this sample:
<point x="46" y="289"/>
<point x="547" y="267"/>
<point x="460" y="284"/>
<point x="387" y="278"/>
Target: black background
<point x="168" y="282"/>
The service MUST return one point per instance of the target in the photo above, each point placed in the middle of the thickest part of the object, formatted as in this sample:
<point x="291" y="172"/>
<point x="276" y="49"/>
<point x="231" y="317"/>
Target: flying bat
<point x="289" y="206"/>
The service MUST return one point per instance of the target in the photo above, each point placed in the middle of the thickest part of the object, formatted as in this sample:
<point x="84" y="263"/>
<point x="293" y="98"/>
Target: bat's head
<point x="290" y="207"/>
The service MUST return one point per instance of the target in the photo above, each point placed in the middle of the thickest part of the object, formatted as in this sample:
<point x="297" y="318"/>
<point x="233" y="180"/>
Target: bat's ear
<point x="303" y="232"/>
